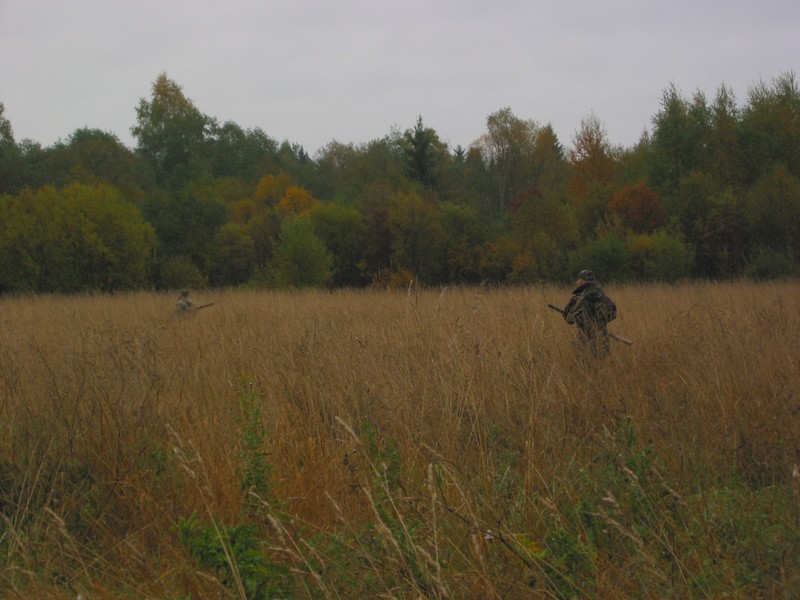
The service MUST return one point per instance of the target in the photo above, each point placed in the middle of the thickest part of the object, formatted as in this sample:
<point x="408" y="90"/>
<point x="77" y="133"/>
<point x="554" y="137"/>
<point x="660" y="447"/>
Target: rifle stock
<point x="619" y="338"/>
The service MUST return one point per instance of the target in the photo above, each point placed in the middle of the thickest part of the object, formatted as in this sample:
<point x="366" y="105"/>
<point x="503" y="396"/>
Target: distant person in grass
<point x="591" y="310"/>
<point x="184" y="303"/>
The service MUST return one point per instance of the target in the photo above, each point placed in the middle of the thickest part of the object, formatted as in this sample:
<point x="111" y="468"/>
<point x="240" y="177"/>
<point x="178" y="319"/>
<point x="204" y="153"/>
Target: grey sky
<point x="313" y="71"/>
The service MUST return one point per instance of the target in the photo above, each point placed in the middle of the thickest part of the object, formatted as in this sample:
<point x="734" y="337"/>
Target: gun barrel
<point x="619" y="338"/>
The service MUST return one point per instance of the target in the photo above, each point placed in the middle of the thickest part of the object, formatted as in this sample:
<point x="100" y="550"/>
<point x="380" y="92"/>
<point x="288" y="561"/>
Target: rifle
<point x="619" y="338"/>
<point x="204" y="305"/>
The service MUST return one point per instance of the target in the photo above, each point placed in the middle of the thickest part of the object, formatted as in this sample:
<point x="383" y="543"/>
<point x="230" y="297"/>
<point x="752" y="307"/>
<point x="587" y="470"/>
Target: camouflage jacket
<point x="184" y="303"/>
<point x="589" y="308"/>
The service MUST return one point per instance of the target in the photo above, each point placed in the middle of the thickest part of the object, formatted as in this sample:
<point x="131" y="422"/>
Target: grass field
<point x="400" y="444"/>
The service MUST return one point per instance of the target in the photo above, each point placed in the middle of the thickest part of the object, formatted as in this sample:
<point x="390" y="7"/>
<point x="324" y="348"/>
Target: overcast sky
<point x="314" y="71"/>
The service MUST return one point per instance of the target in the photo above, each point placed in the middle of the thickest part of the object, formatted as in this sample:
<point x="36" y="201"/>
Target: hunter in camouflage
<point x="591" y="310"/>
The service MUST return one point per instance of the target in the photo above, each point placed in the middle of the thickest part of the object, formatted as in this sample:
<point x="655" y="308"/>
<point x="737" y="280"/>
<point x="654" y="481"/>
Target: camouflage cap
<point x="586" y="275"/>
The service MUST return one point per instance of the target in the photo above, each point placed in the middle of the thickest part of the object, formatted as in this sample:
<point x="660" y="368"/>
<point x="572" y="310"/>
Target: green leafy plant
<point x="255" y="470"/>
<point x="235" y="556"/>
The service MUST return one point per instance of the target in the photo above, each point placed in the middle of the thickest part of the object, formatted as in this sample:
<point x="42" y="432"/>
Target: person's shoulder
<point x="593" y="291"/>
<point x="605" y="299"/>
<point x="602" y="294"/>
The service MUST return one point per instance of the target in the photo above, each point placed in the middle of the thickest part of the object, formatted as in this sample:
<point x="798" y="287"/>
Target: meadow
<point x="445" y="443"/>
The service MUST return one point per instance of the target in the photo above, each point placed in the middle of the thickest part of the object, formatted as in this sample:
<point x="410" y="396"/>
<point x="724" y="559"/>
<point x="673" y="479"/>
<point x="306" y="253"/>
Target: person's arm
<point x="573" y="306"/>
<point x="609" y="309"/>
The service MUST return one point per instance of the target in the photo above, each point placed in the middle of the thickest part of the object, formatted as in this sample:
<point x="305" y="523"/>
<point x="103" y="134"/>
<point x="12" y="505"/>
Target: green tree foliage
<point x="549" y="166"/>
<point x="179" y="271"/>
<point x="344" y="233"/>
<point x="29" y="166"/>
<point x="301" y="258"/>
<point x="659" y="256"/>
<point x="699" y="130"/>
<point x="234" y="189"/>
<point x="231" y="258"/>
<point x="417" y="240"/>
<point x="6" y="131"/>
<point x="465" y="234"/>
<point x="512" y="207"/>
<point x="377" y="173"/>
<point x="424" y="153"/>
<point x="609" y="254"/>
<point x="734" y="146"/>
<point x="235" y="152"/>
<point x="466" y="180"/>
<point x="120" y="242"/>
<point x="507" y="148"/>
<point x="79" y="238"/>
<point x="334" y="163"/>
<point x="36" y="246"/>
<point x="633" y="164"/>
<point x="546" y="231"/>
<point x="264" y="229"/>
<point x="362" y="176"/>
<point x="10" y="157"/>
<point x="726" y="162"/>
<point x="773" y="209"/>
<point x="725" y="242"/>
<point x="765" y="264"/>
<point x="543" y="228"/>
<point x="673" y="146"/>
<point x="94" y="157"/>
<point x="771" y="127"/>
<point x="378" y="253"/>
<point x="692" y="205"/>
<point x="293" y="160"/>
<point x="171" y="134"/>
<point x="498" y="259"/>
<point x="187" y="221"/>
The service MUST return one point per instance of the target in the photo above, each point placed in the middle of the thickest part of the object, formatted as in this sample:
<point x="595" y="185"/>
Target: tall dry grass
<point x="419" y="443"/>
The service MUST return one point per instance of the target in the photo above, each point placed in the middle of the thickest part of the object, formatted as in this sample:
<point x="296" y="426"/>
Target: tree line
<point x="712" y="191"/>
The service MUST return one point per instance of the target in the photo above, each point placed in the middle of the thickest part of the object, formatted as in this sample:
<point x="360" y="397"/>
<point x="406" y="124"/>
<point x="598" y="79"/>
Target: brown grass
<point x="422" y="443"/>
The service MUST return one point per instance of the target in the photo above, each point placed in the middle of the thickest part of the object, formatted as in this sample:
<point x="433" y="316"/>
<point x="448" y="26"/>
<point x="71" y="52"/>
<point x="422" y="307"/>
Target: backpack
<point x="598" y="307"/>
